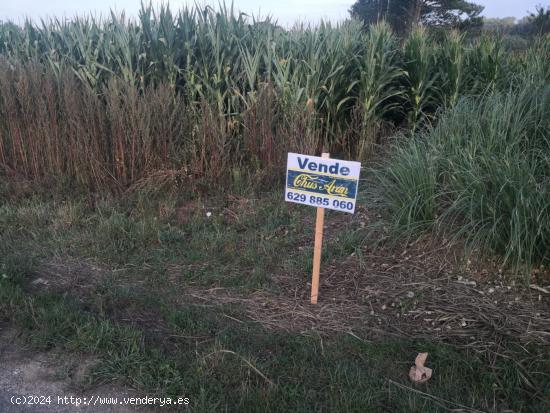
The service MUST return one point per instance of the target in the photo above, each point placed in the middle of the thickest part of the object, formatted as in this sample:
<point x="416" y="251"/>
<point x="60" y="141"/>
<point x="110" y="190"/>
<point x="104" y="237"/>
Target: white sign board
<point x="322" y="182"/>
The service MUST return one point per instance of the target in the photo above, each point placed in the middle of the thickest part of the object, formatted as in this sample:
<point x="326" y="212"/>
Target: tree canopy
<point x="404" y="14"/>
<point x="534" y="24"/>
<point x="541" y="20"/>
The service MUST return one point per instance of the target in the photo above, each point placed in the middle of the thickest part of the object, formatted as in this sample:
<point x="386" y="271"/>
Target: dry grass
<point x="418" y="291"/>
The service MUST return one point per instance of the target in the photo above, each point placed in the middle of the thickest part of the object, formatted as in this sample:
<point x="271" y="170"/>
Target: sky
<point x="285" y="11"/>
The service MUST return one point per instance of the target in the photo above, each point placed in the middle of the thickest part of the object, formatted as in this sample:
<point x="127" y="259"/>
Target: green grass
<point x="142" y="334"/>
<point x="217" y="362"/>
<point x="480" y="175"/>
<point x="223" y="249"/>
<point x="311" y="373"/>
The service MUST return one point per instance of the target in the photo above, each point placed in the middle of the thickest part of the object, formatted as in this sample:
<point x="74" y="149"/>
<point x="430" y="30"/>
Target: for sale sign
<point x="322" y="182"/>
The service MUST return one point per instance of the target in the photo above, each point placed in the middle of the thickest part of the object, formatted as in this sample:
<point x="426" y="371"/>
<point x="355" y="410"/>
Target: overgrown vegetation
<point x="481" y="174"/>
<point x="140" y="120"/>
<point x="207" y="94"/>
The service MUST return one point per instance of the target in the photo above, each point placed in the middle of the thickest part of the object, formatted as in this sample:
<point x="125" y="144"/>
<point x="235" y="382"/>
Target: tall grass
<point x="107" y="102"/>
<point x="482" y="174"/>
<point x="61" y="128"/>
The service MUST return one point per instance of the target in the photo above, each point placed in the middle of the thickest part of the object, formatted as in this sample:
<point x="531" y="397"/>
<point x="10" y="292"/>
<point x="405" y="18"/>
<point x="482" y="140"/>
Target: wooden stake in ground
<point x="317" y="249"/>
<point x="323" y="183"/>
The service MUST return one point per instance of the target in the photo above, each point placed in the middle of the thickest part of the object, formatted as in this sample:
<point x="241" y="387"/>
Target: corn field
<point x="215" y="95"/>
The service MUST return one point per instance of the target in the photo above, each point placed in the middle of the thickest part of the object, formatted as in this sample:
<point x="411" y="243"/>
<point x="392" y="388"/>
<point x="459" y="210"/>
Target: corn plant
<point x="66" y="86"/>
<point x="378" y="83"/>
<point x="484" y="64"/>
<point x="419" y="66"/>
<point x="451" y="67"/>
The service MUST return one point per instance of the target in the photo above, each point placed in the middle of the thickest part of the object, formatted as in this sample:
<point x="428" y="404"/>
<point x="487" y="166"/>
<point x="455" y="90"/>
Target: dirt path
<point x="24" y="373"/>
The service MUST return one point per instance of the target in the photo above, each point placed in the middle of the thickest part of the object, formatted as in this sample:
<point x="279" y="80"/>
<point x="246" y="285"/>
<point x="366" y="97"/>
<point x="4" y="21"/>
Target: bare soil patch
<point x="30" y="373"/>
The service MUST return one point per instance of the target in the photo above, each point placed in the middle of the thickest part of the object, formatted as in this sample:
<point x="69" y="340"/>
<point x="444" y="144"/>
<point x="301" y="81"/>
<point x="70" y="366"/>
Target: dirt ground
<point x="26" y="373"/>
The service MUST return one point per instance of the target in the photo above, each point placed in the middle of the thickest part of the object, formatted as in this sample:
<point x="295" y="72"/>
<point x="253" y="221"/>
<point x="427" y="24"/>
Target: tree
<point x="374" y="11"/>
<point x="499" y="25"/>
<point x="541" y="20"/>
<point x="402" y="15"/>
<point x="534" y="24"/>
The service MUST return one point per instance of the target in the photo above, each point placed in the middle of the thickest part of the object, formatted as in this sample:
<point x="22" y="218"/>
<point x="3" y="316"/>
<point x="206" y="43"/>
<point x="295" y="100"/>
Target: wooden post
<point x="317" y="250"/>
